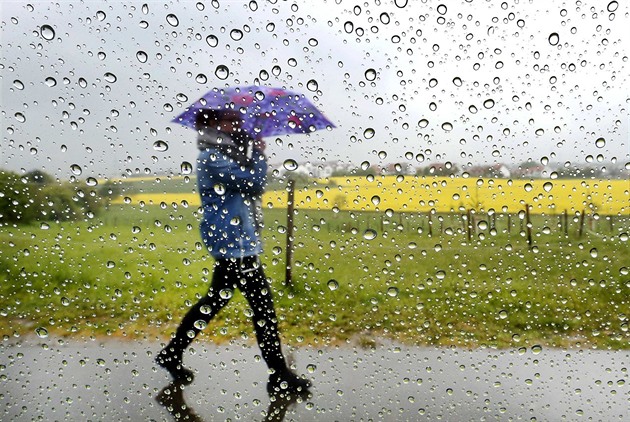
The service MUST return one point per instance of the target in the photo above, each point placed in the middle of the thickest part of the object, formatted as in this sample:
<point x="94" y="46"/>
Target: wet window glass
<point x="336" y="210"/>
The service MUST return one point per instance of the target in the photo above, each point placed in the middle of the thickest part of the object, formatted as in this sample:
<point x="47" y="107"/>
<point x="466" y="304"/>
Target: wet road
<point x="53" y="379"/>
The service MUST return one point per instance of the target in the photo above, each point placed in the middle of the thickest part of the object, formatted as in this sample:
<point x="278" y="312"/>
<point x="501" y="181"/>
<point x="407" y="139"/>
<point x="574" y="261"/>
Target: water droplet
<point x="433" y="82"/>
<point x="441" y="274"/>
<point x="41" y="332"/>
<point x="219" y="188"/>
<point x="110" y="77"/>
<point x="370" y="74"/>
<point x="489" y="103"/>
<point x="311" y="368"/>
<point x="212" y="41"/>
<point x="50" y="81"/>
<point x="348" y="27"/>
<point x="369" y="234"/>
<point x="503" y="314"/>
<point x="47" y="31"/>
<point x="65" y="301"/>
<point x="201" y="78"/>
<point x="20" y="117"/>
<point x="222" y="72"/>
<point x="384" y="18"/>
<point x="441" y="9"/>
<point x="457" y="81"/>
<point x="600" y="143"/>
<point x="365" y="165"/>
<point x="142" y="56"/>
<point x="18" y="84"/>
<point x="290" y="164"/>
<point x="554" y="38"/>
<point x="401" y="3"/>
<point x="548" y="186"/>
<point x="392" y="291"/>
<point x="225" y="293"/>
<point x="76" y="169"/>
<point x="536" y="349"/>
<point x="186" y="167"/>
<point x="423" y="123"/>
<point x="593" y="253"/>
<point x="333" y="285"/>
<point x="369" y="133"/>
<point x="528" y="187"/>
<point x="312" y="85"/>
<point x="612" y="6"/>
<point x="160" y="146"/>
<point x="447" y="126"/>
<point x="100" y="15"/>
<point x="172" y="19"/>
<point x="236" y="34"/>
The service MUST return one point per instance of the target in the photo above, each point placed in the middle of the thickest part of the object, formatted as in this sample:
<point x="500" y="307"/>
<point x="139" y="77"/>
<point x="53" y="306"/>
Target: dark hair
<point x="207" y="117"/>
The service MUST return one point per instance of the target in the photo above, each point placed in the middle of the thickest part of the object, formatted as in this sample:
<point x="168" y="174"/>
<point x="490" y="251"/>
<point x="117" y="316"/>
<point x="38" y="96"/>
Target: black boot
<point x="172" y="362"/>
<point x="286" y="382"/>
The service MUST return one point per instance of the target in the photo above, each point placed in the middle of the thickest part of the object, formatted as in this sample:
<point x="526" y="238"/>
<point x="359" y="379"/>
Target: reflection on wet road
<point x="68" y="380"/>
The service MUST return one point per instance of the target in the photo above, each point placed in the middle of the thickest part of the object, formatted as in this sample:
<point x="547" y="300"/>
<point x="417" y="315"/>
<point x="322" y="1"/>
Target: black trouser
<point x="247" y="275"/>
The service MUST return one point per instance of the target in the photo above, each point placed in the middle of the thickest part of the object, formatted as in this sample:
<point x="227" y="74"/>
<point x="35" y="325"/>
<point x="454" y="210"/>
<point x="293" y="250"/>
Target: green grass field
<point x="133" y="271"/>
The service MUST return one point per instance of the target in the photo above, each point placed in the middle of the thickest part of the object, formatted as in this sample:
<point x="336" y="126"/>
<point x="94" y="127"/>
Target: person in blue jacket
<point x="230" y="183"/>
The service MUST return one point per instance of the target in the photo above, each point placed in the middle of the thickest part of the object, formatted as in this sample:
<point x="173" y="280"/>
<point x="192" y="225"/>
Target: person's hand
<point x="260" y="145"/>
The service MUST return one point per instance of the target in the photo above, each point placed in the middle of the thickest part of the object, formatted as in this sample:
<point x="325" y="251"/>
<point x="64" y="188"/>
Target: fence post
<point x="290" y="210"/>
<point x="528" y="225"/>
<point x="581" y="228"/>
<point x="509" y="223"/>
<point x="469" y="225"/>
<point x="566" y="223"/>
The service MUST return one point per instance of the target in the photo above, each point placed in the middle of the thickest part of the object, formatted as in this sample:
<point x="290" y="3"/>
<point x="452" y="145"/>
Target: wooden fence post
<point x="290" y="213"/>
<point x="528" y="226"/>
<point x="581" y="228"/>
<point x="566" y="223"/>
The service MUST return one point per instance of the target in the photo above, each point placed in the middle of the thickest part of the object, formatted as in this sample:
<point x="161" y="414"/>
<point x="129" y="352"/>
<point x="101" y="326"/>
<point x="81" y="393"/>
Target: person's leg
<point x="224" y="279"/>
<point x="256" y="290"/>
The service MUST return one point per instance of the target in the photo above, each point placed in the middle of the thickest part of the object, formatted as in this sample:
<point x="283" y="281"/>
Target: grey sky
<point x="549" y="98"/>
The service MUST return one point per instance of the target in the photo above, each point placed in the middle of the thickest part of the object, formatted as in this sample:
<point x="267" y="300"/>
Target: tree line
<point x="37" y="196"/>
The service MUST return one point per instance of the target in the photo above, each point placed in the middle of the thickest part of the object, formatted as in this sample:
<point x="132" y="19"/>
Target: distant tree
<point x="39" y="177"/>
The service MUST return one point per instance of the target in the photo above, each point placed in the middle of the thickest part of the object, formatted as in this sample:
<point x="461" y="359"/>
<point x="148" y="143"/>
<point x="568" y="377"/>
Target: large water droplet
<point x="201" y="78"/>
<point x="393" y="291"/>
<point x="41" y="332"/>
<point x="376" y="199"/>
<point x="50" y="81"/>
<point x="554" y="38"/>
<point x="423" y="123"/>
<point x="447" y="126"/>
<point x="236" y="34"/>
<point x="186" y="167"/>
<point x="212" y="40"/>
<point x="142" y="56"/>
<point x="110" y="77"/>
<point x="18" y="84"/>
<point x="290" y="164"/>
<point x="370" y="74"/>
<point x="369" y="234"/>
<point x="312" y="85"/>
<point x="172" y="19"/>
<point x="222" y="72"/>
<point x="548" y="186"/>
<point x="225" y="293"/>
<point x="612" y="6"/>
<point x="600" y="143"/>
<point x="47" y="31"/>
<point x="76" y="169"/>
<point x="333" y="285"/>
<point x="160" y="146"/>
<point x="369" y="133"/>
<point x="489" y="103"/>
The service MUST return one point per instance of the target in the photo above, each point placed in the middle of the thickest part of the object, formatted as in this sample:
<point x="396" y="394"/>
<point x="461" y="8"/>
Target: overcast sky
<point x="89" y="87"/>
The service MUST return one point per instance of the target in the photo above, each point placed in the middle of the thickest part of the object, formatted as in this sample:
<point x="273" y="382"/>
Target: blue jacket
<point x="228" y="191"/>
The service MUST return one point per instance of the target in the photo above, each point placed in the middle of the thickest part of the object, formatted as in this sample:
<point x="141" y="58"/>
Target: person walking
<point x="230" y="183"/>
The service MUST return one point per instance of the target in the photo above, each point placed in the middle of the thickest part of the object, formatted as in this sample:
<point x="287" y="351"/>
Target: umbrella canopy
<point x="266" y="111"/>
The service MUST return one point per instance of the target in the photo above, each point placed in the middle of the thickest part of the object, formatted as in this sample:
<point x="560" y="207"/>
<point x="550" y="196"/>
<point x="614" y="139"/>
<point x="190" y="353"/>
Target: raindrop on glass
<point x="489" y="103"/>
<point x="212" y="40"/>
<point x="172" y="19"/>
<point x="110" y="77"/>
<point x="370" y="74"/>
<point x="423" y="123"/>
<point x="236" y="34"/>
<point x="18" y="84"/>
<point x="312" y="85"/>
<point x="392" y="291"/>
<point x="47" y="31"/>
<point x="201" y="78"/>
<point x="142" y="56"/>
<point x="41" y="332"/>
<point x="447" y="126"/>
<point x="600" y="143"/>
<point x="554" y="38"/>
<point x="76" y="169"/>
<point x="290" y="164"/>
<point x="369" y="234"/>
<point x="222" y="72"/>
<point x="160" y="146"/>
<point x="369" y="133"/>
<point x="548" y="186"/>
<point x="50" y="81"/>
<point x="186" y="167"/>
<point x="333" y="285"/>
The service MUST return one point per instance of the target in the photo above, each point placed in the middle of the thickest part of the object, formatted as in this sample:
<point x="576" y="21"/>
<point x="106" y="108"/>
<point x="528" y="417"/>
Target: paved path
<point x="70" y="380"/>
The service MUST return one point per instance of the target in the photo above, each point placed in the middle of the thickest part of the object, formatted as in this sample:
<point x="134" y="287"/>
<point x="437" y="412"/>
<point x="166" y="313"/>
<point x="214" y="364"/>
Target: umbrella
<point x="267" y="111"/>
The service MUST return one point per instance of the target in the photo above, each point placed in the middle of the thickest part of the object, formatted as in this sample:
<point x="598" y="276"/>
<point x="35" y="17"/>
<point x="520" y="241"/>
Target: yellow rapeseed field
<point x="444" y="194"/>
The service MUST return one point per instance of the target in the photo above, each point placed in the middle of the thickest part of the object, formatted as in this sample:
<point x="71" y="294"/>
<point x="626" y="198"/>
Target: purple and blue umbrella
<point x="266" y="111"/>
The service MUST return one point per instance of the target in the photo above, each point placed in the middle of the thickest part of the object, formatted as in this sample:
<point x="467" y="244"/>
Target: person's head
<point x="224" y="120"/>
